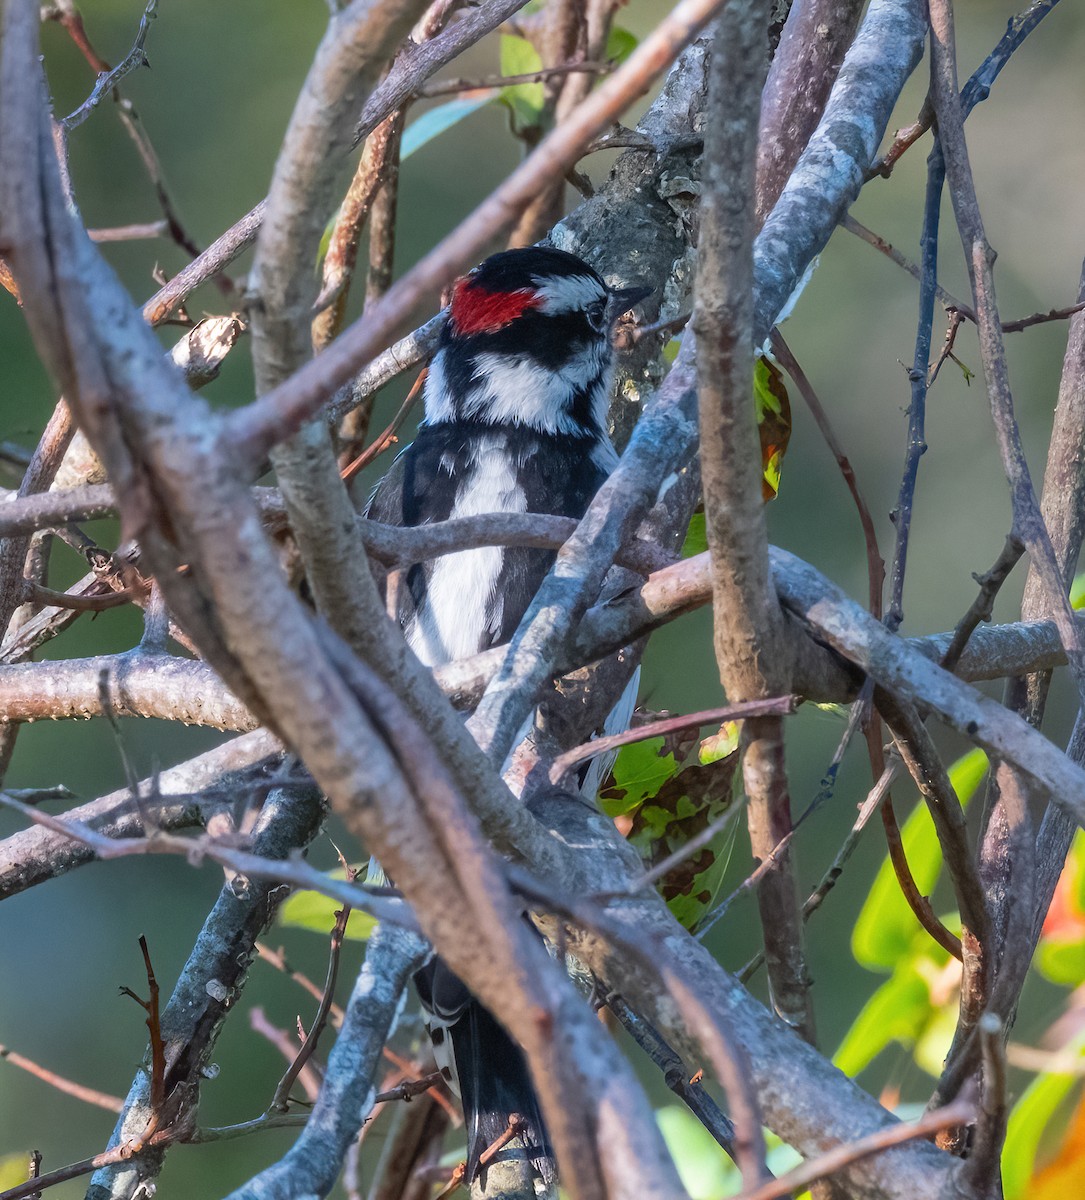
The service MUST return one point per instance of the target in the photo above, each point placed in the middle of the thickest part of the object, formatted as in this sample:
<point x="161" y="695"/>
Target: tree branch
<point x="312" y="1165"/>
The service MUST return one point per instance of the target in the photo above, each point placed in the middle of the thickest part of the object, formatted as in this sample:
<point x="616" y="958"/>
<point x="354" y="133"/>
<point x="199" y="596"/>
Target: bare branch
<point x="138" y="685"/>
<point x="347" y="1093"/>
<point x="748" y="634"/>
<point x="803" y="69"/>
<point x="210" y="981"/>
<point x="832" y="168"/>
<point x="960" y="1112"/>
<point x="1028" y="523"/>
<point x="176" y="799"/>
<point x="259" y="426"/>
<point x="847" y="628"/>
<point x="67" y="1086"/>
<point x="133" y="60"/>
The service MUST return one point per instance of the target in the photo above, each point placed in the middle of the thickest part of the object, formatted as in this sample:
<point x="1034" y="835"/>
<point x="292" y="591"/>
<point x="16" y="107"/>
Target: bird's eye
<point x="596" y="314"/>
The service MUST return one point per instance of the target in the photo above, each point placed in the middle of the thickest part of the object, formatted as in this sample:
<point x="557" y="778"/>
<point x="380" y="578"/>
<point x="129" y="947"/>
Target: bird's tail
<point x="486" y="1068"/>
<point x="494" y="1085"/>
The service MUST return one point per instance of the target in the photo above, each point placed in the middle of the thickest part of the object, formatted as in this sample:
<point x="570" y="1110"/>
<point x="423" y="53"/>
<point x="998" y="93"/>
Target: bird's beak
<point x="621" y="300"/>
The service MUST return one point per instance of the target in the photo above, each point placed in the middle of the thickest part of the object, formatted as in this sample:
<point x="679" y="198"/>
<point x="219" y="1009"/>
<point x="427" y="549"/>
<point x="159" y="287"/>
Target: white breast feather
<point x="461" y="588"/>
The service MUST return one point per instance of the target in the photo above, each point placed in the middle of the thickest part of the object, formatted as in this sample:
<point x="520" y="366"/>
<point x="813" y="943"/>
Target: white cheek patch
<point x="461" y="590"/>
<point x="567" y="293"/>
<point x="517" y="390"/>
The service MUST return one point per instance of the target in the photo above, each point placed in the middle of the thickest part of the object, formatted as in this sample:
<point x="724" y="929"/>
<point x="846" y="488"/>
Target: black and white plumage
<point x="515" y="421"/>
<point x="516" y="400"/>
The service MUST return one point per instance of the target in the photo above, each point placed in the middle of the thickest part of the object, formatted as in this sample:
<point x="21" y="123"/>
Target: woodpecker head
<point x="528" y="342"/>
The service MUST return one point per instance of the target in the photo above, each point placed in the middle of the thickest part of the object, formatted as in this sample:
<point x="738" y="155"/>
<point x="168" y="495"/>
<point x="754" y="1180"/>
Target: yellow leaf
<point x="1062" y="1177"/>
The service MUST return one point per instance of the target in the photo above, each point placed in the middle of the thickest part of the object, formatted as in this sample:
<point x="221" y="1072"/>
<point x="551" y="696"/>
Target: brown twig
<point x="129" y="233"/>
<point x="387" y="438"/>
<point x="961" y="1112"/>
<point x="287" y="1046"/>
<point x="864" y="234"/>
<point x="772" y="706"/>
<point x="982" y="608"/>
<point x="342" y="253"/>
<point x="455" y="1182"/>
<point x="1041" y="318"/>
<point x="118" y="1154"/>
<point x="67" y="1086"/>
<point x="46" y="597"/>
<point x="903" y="140"/>
<point x="280" y="1101"/>
<point x="919" y="904"/>
<point x="955" y="321"/>
<point x="158" y="1045"/>
<point x="409" y="1088"/>
<point x="875" y="562"/>
<point x="445" y="87"/>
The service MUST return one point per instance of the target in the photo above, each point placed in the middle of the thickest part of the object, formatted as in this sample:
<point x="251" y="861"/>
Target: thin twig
<point x="875" y="562"/>
<point x="982" y="608"/>
<point x="445" y="87"/>
<point x="293" y="871"/>
<point x="977" y="89"/>
<point x="1028" y="523"/>
<point x="675" y="1072"/>
<point x="281" y="1099"/>
<point x="387" y="438"/>
<point x="135" y="58"/>
<point x="960" y="1112"/>
<point x="773" y="706"/>
<point x="47" y="597"/>
<point x="67" y="1086"/>
<point x="129" y="233"/>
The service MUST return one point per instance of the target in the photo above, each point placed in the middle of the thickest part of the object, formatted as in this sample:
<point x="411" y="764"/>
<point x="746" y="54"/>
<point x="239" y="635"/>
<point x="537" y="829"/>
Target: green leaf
<point x="1030" y="1119"/>
<point x="666" y="798"/>
<point x="620" y="44"/>
<point x="14" y="1169"/>
<point x="326" y="239"/>
<point x="886" y="925"/>
<point x="1077" y="591"/>
<point x="705" y="1170"/>
<point x="639" y="771"/>
<point x="311" y="910"/>
<point x="696" y="538"/>
<point x="435" y="121"/>
<point x="773" y="422"/>
<point x="1062" y="960"/>
<point x="897" y="1012"/>
<point x="936" y="1037"/>
<point x="720" y="745"/>
<point x="519" y="57"/>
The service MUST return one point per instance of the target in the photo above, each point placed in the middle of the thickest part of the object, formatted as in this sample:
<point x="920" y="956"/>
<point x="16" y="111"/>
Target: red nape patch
<point x="475" y="310"/>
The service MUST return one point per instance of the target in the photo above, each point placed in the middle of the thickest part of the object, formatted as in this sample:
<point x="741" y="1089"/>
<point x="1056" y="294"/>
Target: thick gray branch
<point x="832" y="167"/>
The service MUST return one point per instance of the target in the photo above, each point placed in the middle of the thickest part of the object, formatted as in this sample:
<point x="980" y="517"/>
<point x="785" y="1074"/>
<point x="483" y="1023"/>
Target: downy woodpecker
<point x="515" y="421"/>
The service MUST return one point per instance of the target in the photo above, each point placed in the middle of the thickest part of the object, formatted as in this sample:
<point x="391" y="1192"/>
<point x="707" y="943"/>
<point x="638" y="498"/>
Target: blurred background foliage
<point x="224" y="75"/>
